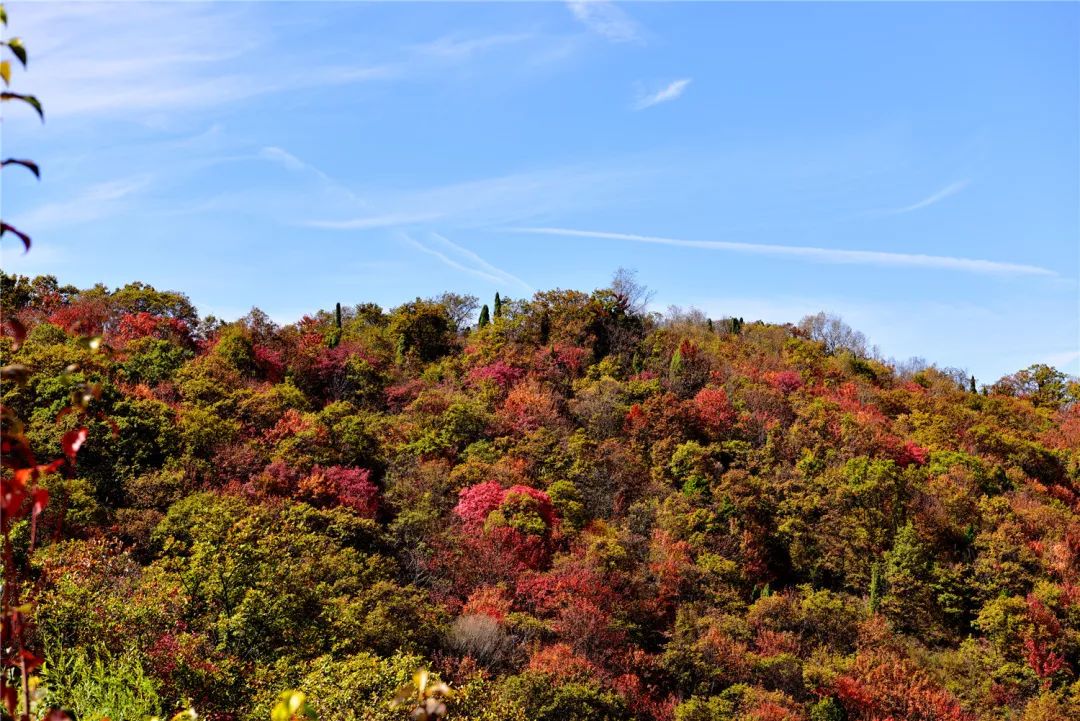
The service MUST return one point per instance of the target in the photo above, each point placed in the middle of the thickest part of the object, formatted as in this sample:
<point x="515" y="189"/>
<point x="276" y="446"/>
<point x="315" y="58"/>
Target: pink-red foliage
<point x="83" y="317"/>
<point x="133" y="326"/>
<point x="784" y="381"/>
<point x="476" y="502"/>
<point x="499" y="373"/>
<point x="886" y="686"/>
<point x="714" y="410"/>
<point x="342" y="485"/>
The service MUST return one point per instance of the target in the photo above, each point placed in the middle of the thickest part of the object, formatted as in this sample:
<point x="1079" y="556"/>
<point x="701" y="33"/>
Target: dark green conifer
<point x="485" y="317"/>
<point x="335" y="335"/>
<point x="498" y="305"/>
<point x="877" y="586"/>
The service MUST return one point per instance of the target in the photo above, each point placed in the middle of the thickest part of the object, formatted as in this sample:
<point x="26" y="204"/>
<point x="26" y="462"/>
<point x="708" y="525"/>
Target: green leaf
<point x="3" y="15"/>
<point x="17" y="49"/>
<point x="28" y="164"/>
<point x="28" y="99"/>
<point x="5" y="71"/>
<point x="5" y="228"/>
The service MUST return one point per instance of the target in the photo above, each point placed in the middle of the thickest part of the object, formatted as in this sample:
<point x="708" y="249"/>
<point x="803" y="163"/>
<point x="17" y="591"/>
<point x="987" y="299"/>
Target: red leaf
<point x="12" y="493"/>
<point x="11" y="698"/>
<point x="32" y="661"/>
<point x="72" y="441"/>
<point x="18" y="332"/>
<point x="41" y="499"/>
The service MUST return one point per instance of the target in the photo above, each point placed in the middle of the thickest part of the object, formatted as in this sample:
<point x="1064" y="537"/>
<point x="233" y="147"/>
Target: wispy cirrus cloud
<point x="512" y="198"/>
<point x="605" y="19"/>
<point x="947" y="192"/>
<point x="473" y="264"/>
<point x="818" y="255"/>
<point x="96" y="201"/>
<point x="370" y="222"/>
<point x="481" y="263"/>
<point x="669" y="92"/>
<point x="460" y="47"/>
<point x="93" y="60"/>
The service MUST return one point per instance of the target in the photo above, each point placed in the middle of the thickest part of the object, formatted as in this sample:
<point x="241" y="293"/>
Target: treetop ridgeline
<point x="565" y="507"/>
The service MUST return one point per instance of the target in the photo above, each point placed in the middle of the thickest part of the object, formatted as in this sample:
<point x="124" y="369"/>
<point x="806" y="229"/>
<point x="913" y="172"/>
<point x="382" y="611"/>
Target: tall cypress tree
<point x="877" y="586"/>
<point x="498" y="305"/>
<point x="485" y="317"/>
<point x="973" y="389"/>
<point x="335" y="335"/>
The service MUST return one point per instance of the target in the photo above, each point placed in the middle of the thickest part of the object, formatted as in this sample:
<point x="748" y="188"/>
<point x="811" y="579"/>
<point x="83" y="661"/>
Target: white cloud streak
<point x="97" y="201"/>
<point x="605" y="19"/>
<point x="948" y="191"/>
<point x="450" y="262"/>
<point x="818" y="255"/>
<point x="515" y="198"/>
<point x="390" y="220"/>
<point x="483" y="264"/>
<point x="95" y="60"/>
<point x="668" y="93"/>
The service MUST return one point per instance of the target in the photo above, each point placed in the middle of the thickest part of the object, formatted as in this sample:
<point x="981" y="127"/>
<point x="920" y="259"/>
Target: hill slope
<point x="576" y="511"/>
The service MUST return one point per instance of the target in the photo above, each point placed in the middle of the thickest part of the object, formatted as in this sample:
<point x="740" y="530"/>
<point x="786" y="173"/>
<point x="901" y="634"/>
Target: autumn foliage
<point x="574" y="510"/>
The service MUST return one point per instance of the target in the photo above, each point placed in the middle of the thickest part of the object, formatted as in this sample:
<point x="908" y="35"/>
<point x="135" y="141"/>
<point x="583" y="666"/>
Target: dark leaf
<point x="28" y="164"/>
<point x="5" y="228"/>
<point x="17" y="49"/>
<point x="18" y="332"/>
<point x="28" y="99"/>
<point x="15" y="373"/>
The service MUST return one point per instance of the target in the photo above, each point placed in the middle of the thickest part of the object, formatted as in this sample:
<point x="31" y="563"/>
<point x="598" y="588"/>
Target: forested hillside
<point x="564" y="506"/>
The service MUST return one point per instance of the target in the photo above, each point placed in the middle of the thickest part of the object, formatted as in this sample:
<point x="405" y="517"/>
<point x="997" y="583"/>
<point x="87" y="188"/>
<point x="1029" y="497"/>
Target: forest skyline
<point x="915" y="177"/>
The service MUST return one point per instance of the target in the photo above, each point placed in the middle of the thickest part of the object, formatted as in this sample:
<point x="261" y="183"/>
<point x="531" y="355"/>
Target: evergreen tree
<point x="498" y="305"/>
<point x="485" y="317"/>
<point x="335" y="335"/>
<point x="973" y="389"/>
<point x="907" y="599"/>
<point x="877" y="587"/>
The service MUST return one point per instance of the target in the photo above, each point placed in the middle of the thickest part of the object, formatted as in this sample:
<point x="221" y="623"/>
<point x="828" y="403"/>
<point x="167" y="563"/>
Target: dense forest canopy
<point x="564" y="506"/>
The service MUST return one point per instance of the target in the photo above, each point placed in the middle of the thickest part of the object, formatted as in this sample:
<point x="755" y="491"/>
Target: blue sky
<point x="912" y="167"/>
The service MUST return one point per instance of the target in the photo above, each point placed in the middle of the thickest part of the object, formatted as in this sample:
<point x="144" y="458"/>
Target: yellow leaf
<point x="5" y="71"/>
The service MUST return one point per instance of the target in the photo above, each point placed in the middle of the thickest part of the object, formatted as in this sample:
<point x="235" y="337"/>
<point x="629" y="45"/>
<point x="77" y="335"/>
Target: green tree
<point x="908" y="596"/>
<point x="422" y="328"/>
